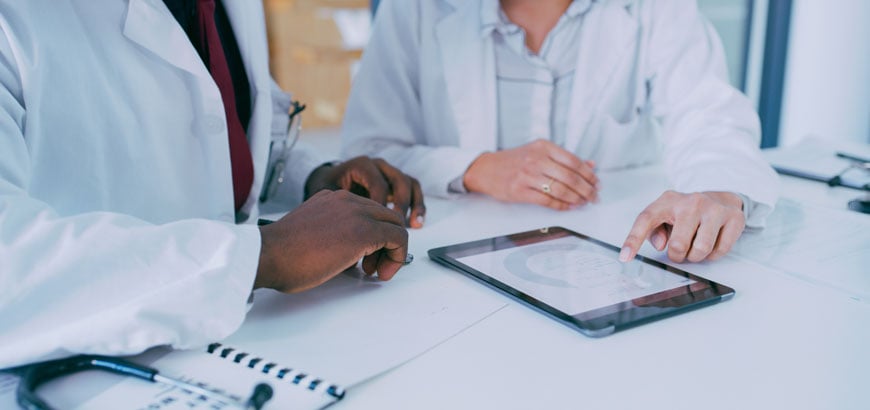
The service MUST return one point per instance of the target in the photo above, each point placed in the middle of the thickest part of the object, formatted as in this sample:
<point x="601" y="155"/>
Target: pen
<point x="853" y="158"/>
<point x="408" y="259"/>
<point x="834" y="181"/>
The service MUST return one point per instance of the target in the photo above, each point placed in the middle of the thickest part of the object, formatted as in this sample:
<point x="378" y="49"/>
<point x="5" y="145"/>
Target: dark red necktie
<point x="240" y="152"/>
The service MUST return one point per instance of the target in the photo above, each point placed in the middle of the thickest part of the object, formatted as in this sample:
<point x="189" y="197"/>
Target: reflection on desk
<point x="823" y="246"/>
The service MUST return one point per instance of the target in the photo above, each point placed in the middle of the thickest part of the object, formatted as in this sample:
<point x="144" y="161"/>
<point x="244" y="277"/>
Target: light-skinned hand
<point x="519" y="174"/>
<point x="326" y="234"/>
<point x="693" y="227"/>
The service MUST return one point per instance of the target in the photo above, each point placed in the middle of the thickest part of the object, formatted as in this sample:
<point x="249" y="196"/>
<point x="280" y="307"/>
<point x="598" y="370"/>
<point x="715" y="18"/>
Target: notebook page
<point x="346" y="331"/>
<point x="203" y="369"/>
<point x="353" y="328"/>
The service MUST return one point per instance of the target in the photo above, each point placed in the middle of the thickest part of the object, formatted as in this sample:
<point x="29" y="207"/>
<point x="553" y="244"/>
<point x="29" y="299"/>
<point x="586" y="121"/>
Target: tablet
<point x="579" y="280"/>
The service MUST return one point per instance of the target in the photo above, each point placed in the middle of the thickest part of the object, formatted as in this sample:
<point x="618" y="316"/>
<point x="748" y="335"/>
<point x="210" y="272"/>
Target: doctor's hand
<point x="374" y="179"/>
<point x="325" y="235"/>
<point x="539" y="172"/>
<point x="696" y="226"/>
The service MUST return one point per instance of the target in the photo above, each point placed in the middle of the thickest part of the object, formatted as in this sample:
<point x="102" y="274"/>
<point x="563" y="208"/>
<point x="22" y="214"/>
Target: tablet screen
<point x="579" y="280"/>
<point x="574" y="275"/>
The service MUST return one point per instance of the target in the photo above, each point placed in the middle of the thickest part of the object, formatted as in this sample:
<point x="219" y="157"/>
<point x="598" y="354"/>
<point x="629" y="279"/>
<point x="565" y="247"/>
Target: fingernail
<point x="390" y="205"/>
<point x="624" y="254"/>
<point x="420" y="219"/>
<point x="658" y="240"/>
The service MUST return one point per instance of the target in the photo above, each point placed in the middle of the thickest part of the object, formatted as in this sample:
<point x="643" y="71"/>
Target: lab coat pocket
<point x="627" y="144"/>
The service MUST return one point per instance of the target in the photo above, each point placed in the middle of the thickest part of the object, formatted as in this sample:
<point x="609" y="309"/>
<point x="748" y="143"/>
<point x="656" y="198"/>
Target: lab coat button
<point x="213" y="124"/>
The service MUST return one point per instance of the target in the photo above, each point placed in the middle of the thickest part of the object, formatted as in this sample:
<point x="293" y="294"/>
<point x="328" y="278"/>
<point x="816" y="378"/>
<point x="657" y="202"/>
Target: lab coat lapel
<point x="608" y="32"/>
<point x="145" y="18"/>
<point x="469" y="71"/>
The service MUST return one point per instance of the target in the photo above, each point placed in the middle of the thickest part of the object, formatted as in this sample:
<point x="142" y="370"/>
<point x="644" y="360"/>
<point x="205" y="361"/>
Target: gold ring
<point x="546" y="187"/>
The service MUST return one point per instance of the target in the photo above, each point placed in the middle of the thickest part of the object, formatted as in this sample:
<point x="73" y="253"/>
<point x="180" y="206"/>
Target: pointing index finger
<point x="646" y="222"/>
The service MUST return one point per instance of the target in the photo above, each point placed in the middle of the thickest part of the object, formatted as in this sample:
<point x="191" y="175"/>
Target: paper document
<point x="815" y="159"/>
<point x="8" y="383"/>
<point x="824" y="246"/>
<point x="346" y="331"/>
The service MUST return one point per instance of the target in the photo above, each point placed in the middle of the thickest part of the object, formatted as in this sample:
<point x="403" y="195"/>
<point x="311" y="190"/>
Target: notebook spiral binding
<point x="295" y="376"/>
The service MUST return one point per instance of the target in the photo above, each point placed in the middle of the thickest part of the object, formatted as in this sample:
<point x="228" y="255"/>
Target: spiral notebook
<point x="226" y="369"/>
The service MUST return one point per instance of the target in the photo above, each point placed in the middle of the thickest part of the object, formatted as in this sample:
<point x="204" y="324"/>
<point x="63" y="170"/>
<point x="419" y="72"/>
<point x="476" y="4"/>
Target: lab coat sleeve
<point x="710" y="131"/>
<point x="384" y="116"/>
<point x="102" y="282"/>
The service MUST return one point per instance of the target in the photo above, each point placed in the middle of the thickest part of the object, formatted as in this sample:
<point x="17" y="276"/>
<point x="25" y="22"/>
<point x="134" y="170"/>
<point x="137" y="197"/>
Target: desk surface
<point x="782" y="342"/>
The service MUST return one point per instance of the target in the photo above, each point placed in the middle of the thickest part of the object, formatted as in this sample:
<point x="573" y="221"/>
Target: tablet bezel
<point x="597" y="322"/>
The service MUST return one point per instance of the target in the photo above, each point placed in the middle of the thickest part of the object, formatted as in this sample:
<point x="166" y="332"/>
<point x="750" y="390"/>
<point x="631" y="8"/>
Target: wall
<point x="827" y="82"/>
<point x="731" y="19"/>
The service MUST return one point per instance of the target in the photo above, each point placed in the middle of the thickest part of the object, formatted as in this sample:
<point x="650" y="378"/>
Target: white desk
<point x="782" y="342"/>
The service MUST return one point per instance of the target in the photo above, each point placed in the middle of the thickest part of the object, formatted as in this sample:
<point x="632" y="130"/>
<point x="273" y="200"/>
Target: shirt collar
<point x="492" y="17"/>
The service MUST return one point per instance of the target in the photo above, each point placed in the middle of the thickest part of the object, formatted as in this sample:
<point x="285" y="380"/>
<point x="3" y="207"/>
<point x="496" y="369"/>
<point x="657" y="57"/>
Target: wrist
<point x="317" y="179"/>
<point x="265" y="265"/>
<point x="729" y="199"/>
<point x="472" y="180"/>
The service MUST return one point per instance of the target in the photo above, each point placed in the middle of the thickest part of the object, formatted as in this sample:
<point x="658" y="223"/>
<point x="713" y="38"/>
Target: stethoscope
<point x="38" y="374"/>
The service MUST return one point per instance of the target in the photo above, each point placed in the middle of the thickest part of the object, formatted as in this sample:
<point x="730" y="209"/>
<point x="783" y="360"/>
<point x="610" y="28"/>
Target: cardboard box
<point x="314" y="45"/>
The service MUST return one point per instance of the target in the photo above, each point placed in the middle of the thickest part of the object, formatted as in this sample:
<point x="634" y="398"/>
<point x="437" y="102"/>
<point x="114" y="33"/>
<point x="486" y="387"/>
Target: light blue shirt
<point x="533" y="90"/>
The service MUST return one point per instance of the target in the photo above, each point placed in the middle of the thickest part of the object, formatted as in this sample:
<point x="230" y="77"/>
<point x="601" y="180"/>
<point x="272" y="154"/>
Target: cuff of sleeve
<point x="457" y="186"/>
<point x="448" y="163"/>
<point x="755" y="213"/>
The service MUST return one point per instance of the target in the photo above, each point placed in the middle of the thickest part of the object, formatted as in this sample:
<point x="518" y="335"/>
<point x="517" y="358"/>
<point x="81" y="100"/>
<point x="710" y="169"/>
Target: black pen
<point x="851" y="157"/>
<point x="801" y="174"/>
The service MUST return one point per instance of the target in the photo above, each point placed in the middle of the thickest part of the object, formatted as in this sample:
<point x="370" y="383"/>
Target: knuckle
<point x="703" y="246"/>
<point x="718" y="253"/>
<point x="633" y="238"/>
<point x="724" y="247"/>
<point x="678" y="246"/>
<point x="696" y="200"/>
<point x="645" y="216"/>
<point x="341" y="194"/>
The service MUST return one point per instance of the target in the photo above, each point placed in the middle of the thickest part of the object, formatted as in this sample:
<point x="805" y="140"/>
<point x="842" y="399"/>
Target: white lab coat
<point x="650" y="85"/>
<point x="117" y="224"/>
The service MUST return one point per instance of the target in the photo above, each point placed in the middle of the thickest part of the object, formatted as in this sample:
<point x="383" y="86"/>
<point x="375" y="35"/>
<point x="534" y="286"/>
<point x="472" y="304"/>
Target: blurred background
<point x="804" y="63"/>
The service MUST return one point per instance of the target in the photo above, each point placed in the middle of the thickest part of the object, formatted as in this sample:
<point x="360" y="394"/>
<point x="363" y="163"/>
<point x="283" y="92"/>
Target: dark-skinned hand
<point x="326" y="234"/>
<point x="374" y="179"/>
